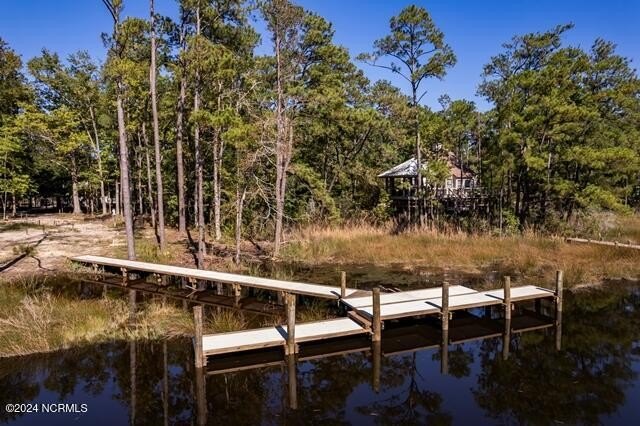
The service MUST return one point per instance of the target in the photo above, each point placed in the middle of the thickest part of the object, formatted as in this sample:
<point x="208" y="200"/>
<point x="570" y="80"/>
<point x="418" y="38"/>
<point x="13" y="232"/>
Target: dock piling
<point x="292" y="382"/>
<point x="506" y="339"/>
<point x="376" y="355"/>
<point x="291" y="347"/>
<point x="507" y="298"/>
<point x="201" y="360"/>
<point x="343" y="284"/>
<point x="444" y="352"/>
<point x="559" y="285"/>
<point x="559" y="298"/>
<point x="444" y="310"/>
<point x="376" y="325"/>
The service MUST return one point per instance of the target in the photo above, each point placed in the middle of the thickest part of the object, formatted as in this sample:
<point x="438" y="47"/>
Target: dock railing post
<point x="559" y="289"/>
<point x="343" y="284"/>
<point x="376" y="325"/>
<point x="507" y="298"/>
<point x="291" y="347"/>
<point x="201" y="360"/>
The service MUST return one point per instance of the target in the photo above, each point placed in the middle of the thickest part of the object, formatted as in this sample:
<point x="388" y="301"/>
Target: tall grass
<point x="529" y="253"/>
<point x="36" y="317"/>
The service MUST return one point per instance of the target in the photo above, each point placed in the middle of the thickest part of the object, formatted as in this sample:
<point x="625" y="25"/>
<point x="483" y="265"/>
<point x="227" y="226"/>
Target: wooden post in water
<point x="201" y="395"/>
<point x="292" y="382"/>
<point x="376" y="355"/>
<point x="376" y="325"/>
<point x="507" y="297"/>
<point x="506" y="339"/>
<point x="291" y="347"/>
<point x="444" y="310"/>
<point x="559" y="290"/>
<point x="343" y="284"/>
<point x="444" y="352"/>
<point x="200" y="359"/>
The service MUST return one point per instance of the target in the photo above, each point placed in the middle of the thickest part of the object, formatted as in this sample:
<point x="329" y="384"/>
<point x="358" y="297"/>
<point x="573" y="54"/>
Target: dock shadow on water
<point x="409" y="378"/>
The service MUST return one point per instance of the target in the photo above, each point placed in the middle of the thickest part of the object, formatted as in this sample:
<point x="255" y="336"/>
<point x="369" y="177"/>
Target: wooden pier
<point x="127" y="267"/>
<point x="367" y="311"/>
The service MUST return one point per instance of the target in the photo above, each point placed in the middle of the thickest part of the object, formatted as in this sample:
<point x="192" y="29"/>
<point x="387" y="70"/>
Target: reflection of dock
<point x="396" y="340"/>
<point x="367" y="310"/>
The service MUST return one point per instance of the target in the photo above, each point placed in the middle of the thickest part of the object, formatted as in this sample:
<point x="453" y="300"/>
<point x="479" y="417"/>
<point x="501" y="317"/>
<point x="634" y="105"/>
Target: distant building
<point x="401" y="180"/>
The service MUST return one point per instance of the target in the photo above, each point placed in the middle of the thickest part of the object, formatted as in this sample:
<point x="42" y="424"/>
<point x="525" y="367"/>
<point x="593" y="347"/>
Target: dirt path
<point x="26" y="249"/>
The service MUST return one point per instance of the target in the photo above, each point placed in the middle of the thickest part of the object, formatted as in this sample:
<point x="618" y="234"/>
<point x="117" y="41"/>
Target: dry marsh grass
<point x="34" y="317"/>
<point x="529" y="253"/>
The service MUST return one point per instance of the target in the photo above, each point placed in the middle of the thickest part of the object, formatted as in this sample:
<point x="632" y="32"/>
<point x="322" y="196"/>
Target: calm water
<point x="593" y="379"/>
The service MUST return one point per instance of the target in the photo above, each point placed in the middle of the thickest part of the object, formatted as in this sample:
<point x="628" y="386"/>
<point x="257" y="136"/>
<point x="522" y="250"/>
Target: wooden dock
<point x="370" y="314"/>
<point x="277" y="336"/>
<point x="193" y="274"/>
<point x="366" y="310"/>
<point x="402" y="339"/>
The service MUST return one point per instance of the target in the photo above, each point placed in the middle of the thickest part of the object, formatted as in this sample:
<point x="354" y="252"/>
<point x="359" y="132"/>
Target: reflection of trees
<point x="93" y="370"/>
<point x="537" y="385"/>
<point x="405" y="399"/>
<point x="577" y="385"/>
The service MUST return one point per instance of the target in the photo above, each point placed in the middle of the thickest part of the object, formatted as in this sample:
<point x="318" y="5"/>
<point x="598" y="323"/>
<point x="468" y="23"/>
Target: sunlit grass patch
<point x="36" y="316"/>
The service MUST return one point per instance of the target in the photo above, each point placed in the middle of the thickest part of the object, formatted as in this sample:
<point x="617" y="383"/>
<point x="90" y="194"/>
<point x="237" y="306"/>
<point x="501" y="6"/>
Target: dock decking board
<point x="307" y="289"/>
<point x="405" y="296"/>
<point x="276" y="336"/>
<point x="458" y="301"/>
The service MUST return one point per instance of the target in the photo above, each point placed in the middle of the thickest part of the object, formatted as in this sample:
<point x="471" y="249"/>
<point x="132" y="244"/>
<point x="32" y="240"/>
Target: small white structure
<point x="400" y="180"/>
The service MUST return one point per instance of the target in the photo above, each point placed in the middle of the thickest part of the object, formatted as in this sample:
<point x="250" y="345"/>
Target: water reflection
<point x="482" y="372"/>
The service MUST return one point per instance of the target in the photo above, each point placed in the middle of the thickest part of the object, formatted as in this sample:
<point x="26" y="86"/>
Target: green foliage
<point x="561" y="139"/>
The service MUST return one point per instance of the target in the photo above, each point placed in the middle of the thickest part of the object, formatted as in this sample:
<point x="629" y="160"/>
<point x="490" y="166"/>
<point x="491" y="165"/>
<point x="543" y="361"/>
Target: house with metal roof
<point x="401" y="180"/>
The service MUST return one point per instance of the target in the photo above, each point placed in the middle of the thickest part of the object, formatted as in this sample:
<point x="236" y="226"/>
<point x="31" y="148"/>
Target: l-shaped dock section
<point x="366" y="310"/>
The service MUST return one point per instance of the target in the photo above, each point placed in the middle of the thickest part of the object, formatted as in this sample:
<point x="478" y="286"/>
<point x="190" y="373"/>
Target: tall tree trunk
<point x="217" y="166"/>
<point x="149" y="183"/>
<point x="156" y="131"/>
<point x="139" y="167"/>
<point x="281" y="174"/>
<point x="103" y="198"/>
<point x="199" y="162"/>
<point x="14" y="205"/>
<point x="74" y="186"/>
<point x="124" y="177"/>
<point x="182" y="221"/>
<point x="240" y="197"/>
<point x="419" y="212"/>
<point x="118" y="211"/>
<point x="115" y="9"/>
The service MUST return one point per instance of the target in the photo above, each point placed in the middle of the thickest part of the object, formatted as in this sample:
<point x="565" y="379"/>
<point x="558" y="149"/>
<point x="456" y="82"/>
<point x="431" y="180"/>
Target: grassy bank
<point x="46" y="313"/>
<point x="36" y="315"/>
<point x="526" y="255"/>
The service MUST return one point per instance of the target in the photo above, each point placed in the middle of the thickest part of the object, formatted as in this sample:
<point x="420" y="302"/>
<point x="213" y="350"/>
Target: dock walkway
<point x="460" y="298"/>
<point x="368" y="309"/>
<point x="266" y="337"/>
<point x="305" y="289"/>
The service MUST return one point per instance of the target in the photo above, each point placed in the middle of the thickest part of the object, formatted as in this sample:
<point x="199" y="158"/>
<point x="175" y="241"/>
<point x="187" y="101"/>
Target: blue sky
<point x="474" y="29"/>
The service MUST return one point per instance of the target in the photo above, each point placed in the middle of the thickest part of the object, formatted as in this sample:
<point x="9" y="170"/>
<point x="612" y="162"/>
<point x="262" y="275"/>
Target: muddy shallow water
<point x="594" y="378"/>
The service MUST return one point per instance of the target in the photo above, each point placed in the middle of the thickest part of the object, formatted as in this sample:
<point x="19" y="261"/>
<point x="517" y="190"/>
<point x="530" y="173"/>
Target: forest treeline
<point x="186" y="125"/>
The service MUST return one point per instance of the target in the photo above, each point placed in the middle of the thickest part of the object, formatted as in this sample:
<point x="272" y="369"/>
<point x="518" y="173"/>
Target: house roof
<point x="409" y="169"/>
<point x="406" y="169"/>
